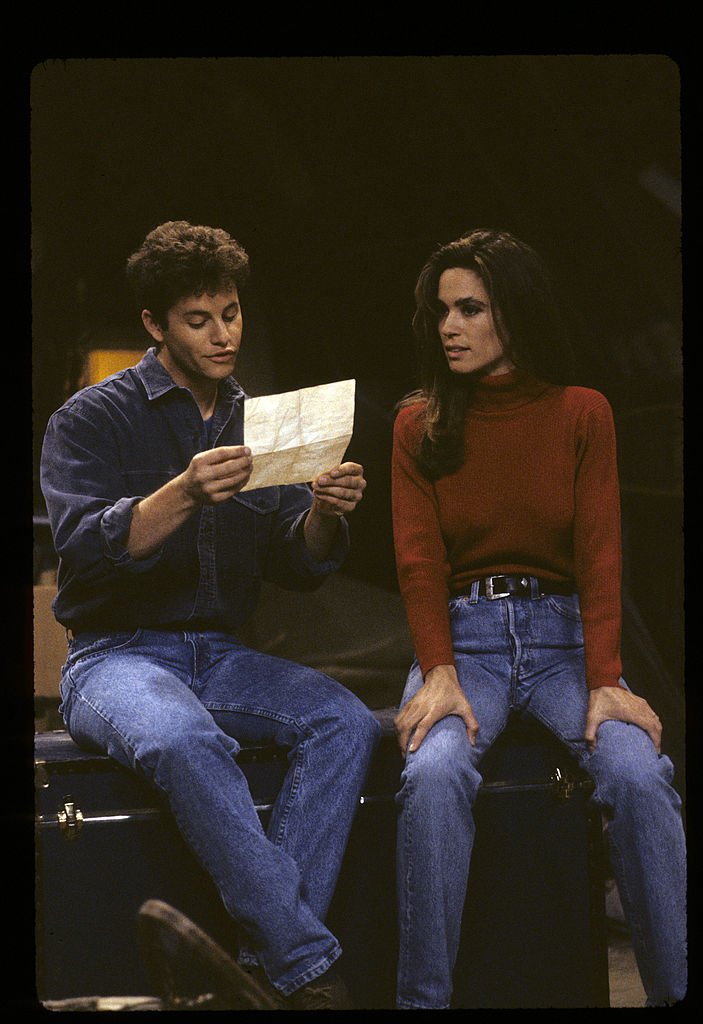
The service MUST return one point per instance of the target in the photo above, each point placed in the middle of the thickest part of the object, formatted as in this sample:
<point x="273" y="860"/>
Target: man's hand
<point x="211" y="477"/>
<point x="338" y="491"/>
<point x="216" y="474"/>
<point x="439" y="696"/>
<point x="335" y="493"/>
<point x="608" y="703"/>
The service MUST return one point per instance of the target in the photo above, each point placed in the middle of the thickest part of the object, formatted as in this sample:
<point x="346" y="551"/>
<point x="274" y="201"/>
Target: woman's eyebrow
<point x="463" y="300"/>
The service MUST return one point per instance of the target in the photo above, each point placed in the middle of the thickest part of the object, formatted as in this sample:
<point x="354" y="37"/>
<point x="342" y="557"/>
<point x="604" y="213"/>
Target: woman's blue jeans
<point x="528" y="654"/>
<point x="175" y="707"/>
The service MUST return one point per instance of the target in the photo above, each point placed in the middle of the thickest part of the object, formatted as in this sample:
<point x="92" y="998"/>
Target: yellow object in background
<point x="50" y="645"/>
<point x="101" y="362"/>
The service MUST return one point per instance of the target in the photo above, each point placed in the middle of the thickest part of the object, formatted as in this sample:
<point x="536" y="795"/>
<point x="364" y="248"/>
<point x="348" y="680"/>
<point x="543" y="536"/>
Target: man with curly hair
<point x="161" y="559"/>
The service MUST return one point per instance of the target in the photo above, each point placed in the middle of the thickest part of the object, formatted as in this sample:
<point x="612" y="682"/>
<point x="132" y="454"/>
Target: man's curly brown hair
<point x="178" y="259"/>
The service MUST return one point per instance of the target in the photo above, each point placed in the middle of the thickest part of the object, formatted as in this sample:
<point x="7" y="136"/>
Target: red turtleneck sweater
<point x="537" y="494"/>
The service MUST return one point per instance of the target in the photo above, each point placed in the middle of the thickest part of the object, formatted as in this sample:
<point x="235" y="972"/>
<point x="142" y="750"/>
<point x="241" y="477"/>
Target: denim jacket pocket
<point x="258" y="509"/>
<point x="263" y="500"/>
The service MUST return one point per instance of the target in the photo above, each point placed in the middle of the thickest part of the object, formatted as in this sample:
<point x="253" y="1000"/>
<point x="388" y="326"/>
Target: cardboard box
<point x="50" y="645"/>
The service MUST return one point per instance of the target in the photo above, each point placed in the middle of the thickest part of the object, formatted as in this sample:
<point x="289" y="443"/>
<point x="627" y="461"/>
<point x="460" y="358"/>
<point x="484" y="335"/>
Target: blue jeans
<point x="175" y="707"/>
<point x="528" y="654"/>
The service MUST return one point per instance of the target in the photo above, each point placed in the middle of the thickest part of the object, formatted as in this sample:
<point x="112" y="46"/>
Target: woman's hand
<point x="607" y="703"/>
<point x="439" y="696"/>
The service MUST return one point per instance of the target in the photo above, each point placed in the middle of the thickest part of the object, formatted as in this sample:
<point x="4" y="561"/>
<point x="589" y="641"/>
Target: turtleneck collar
<point x="505" y="391"/>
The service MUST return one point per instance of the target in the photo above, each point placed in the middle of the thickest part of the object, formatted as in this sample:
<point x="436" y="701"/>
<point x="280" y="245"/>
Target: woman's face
<point x="466" y="326"/>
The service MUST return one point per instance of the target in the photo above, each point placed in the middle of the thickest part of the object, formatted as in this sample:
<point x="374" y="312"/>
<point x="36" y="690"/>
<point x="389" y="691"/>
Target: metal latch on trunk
<point x="70" y="819"/>
<point x="564" y="784"/>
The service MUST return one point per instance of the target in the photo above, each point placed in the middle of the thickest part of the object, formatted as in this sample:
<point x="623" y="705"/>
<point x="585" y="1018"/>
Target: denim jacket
<point x="118" y="441"/>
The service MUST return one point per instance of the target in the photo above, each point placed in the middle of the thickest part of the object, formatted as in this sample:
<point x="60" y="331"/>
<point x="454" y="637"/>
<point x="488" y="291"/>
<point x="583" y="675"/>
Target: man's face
<point x="201" y="339"/>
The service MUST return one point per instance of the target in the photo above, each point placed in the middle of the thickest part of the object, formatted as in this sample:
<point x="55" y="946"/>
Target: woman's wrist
<point x="442" y="675"/>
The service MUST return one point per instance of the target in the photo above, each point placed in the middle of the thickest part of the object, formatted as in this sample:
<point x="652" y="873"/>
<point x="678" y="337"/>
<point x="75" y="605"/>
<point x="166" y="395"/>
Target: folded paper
<point x="297" y="435"/>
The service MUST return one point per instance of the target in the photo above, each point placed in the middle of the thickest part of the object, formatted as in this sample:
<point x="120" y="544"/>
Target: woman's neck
<point x="505" y="390"/>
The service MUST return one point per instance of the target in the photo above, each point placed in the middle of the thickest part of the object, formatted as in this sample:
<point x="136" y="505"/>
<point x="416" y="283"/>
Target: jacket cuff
<point x="114" y="528"/>
<point x="303" y="560"/>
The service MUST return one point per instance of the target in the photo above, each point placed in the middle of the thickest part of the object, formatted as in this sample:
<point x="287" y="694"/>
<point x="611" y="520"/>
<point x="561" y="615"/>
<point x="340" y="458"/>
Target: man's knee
<point x="356" y="720"/>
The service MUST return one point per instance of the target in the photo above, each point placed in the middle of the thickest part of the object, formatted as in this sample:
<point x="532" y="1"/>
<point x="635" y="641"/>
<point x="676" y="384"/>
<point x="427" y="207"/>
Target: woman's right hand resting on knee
<point x="439" y="696"/>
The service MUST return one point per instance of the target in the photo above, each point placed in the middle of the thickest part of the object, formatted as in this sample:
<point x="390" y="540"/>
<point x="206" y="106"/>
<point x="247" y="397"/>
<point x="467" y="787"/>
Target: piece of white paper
<point x="297" y="435"/>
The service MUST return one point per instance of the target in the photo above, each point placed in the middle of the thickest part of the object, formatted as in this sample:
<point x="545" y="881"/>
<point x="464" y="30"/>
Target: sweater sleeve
<point x="421" y="557"/>
<point x="597" y="543"/>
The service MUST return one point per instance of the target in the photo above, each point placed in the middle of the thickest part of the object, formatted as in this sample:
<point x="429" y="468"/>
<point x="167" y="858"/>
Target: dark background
<point x="339" y="176"/>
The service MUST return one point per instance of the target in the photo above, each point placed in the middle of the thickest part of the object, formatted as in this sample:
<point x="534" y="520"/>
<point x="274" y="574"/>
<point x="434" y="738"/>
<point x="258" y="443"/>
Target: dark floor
<point x="625" y="987"/>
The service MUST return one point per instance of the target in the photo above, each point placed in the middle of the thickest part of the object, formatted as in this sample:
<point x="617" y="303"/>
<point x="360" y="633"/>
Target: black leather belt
<point x="494" y="587"/>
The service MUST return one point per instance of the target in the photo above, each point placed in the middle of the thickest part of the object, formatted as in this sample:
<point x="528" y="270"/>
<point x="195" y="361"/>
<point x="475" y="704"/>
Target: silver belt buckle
<point x="491" y="594"/>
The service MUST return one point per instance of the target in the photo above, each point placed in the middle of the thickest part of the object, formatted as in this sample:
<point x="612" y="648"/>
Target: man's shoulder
<point x="121" y="387"/>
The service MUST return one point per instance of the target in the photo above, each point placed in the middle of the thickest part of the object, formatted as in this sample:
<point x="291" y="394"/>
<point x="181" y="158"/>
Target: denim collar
<point x="158" y="381"/>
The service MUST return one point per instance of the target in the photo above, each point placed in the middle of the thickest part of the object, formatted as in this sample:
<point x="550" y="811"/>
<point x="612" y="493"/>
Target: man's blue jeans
<point x="175" y="707"/>
<point x="528" y="654"/>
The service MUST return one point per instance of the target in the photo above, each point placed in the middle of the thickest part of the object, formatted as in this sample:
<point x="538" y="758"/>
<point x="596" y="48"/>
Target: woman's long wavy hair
<point x="527" y="320"/>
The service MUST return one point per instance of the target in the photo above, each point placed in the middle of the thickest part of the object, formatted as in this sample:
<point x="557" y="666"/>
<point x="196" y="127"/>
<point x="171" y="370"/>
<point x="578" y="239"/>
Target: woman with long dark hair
<point x="506" y="522"/>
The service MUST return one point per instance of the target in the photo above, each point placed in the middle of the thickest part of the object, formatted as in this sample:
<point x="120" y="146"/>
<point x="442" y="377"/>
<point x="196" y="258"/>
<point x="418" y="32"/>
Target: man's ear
<point x="152" y="327"/>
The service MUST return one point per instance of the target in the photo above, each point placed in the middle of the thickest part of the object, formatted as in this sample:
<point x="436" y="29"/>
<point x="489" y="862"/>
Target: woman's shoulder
<point x="583" y="399"/>
<point x="410" y="413"/>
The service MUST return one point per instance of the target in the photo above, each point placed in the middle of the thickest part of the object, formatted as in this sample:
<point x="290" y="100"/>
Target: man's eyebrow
<point x="194" y="311"/>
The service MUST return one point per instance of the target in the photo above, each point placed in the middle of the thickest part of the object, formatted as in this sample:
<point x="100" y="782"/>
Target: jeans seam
<point x="77" y="695"/>
<point x="632" y="920"/>
<point x="297" y="767"/>
<point x="407" y="881"/>
<point x="297" y="775"/>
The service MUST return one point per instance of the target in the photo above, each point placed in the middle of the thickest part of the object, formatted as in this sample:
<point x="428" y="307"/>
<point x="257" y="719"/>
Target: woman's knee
<point x="442" y="764"/>
<point x="626" y="764"/>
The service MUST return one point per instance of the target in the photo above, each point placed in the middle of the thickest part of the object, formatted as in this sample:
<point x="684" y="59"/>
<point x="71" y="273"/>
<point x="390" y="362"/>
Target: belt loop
<point x="473" y="597"/>
<point x="534" y="587"/>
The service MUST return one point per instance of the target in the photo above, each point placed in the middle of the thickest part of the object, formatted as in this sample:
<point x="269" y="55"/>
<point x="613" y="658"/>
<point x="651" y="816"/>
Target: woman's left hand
<point x="338" y="491"/>
<point x="614" y="702"/>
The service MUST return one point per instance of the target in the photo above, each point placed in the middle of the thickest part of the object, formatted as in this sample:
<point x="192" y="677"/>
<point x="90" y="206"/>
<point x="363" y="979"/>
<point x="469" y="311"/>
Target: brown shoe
<point x="258" y="974"/>
<point x="328" y="992"/>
